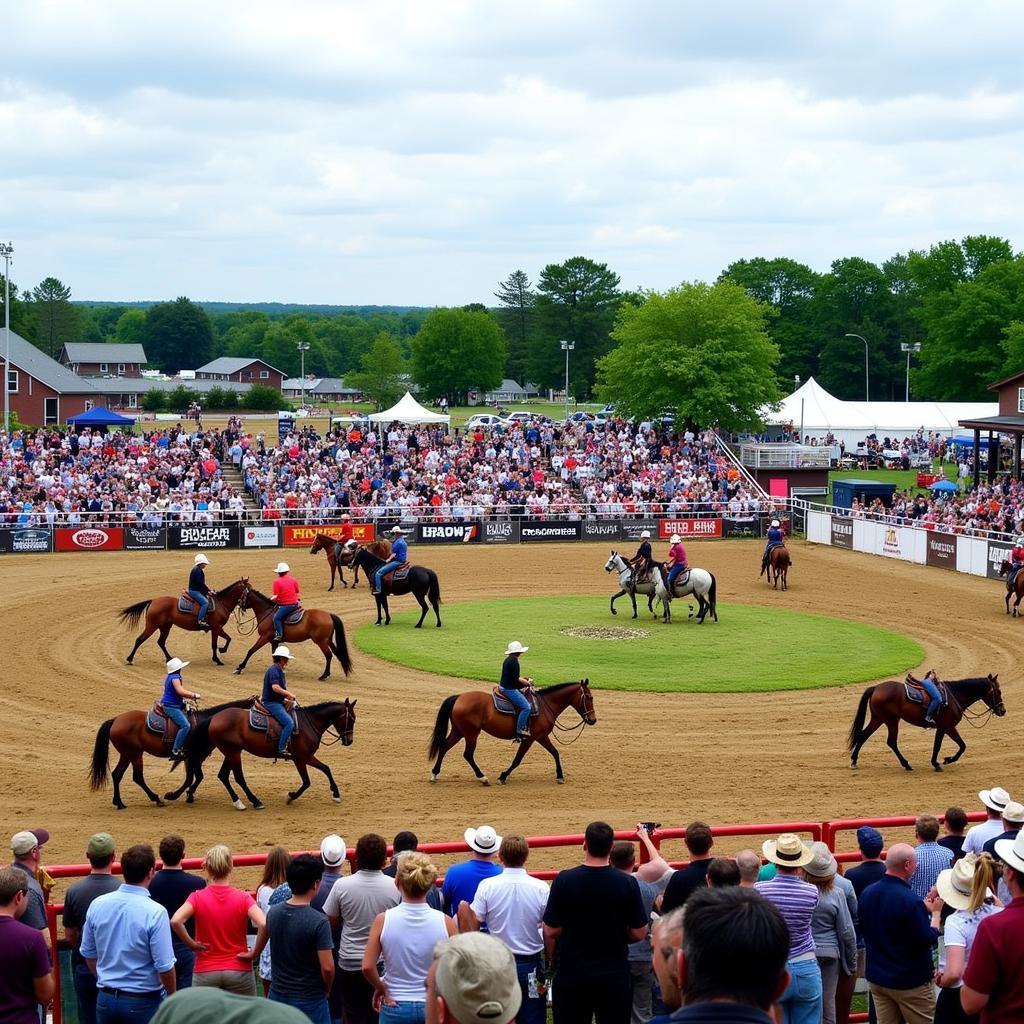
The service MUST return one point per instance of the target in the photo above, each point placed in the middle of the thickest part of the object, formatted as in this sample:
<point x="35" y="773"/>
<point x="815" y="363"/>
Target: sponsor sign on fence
<point x="998" y="552"/>
<point x="699" y="528"/>
<point x="550" y="531"/>
<point x="601" y="529"/>
<point x="747" y="527"/>
<point x="202" y="536"/>
<point x="25" y="541"/>
<point x="89" y="538"/>
<point x="145" y="538"/>
<point x="502" y="531"/>
<point x="632" y="528"/>
<point x="303" y="536"/>
<point x="447" y="532"/>
<point x="260" y="536"/>
<point x="941" y="550"/>
<point x="842" y="532"/>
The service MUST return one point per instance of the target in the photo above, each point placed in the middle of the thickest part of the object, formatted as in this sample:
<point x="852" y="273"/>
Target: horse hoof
<point x="291" y="798"/>
<point x="159" y="803"/>
<point x="433" y="777"/>
<point x="336" y="799"/>
<point x="501" y="780"/>
<point x="909" y="767"/>
<point x="259" y="807"/>
<point x="238" y="805"/>
<point x="419" y="625"/>
<point x="170" y="796"/>
<point x="938" y="767"/>
<point x="483" y="780"/>
<point x="190" y="799"/>
<point x="120" y="807"/>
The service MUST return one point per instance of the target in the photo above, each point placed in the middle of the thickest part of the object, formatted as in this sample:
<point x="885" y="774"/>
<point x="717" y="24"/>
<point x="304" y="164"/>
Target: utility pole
<point x="7" y="251"/>
<point x="567" y="347"/>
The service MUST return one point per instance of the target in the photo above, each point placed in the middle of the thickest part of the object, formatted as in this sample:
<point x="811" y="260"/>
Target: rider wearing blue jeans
<point x="930" y="686"/>
<point x="399" y="556"/>
<point x="275" y="693"/>
<point x="198" y="590"/>
<point x="512" y="684"/>
<point x="775" y="538"/>
<point x="173" y="702"/>
<point x="677" y="560"/>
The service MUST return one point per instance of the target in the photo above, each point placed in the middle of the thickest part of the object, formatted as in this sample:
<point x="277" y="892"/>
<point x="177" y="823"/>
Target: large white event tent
<point x="822" y="413"/>
<point x="408" y="410"/>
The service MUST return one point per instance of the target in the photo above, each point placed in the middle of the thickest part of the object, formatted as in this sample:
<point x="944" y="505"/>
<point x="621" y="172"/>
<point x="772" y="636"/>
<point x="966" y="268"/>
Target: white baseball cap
<point x="283" y="652"/>
<point x="332" y="850"/>
<point x="775" y="522"/>
<point x="176" y="665"/>
<point x="201" y="559"/>
<point x="645" y="535"/>
<point x="283" y="567"/>
<point x="515" y="647"/>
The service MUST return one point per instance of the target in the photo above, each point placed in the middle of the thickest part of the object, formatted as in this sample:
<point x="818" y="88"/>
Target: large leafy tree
<point x="178" y="335"/>
<point x="22" y="315"/>
<point x="576" y="301"/>
<point x="380" y="370"/>
<point x="56" y="319"/>
<point x="700" y="351"/>
<point x="457" y="350"/>
<point x="516" y="299"/>
<point x="130" y="328"/>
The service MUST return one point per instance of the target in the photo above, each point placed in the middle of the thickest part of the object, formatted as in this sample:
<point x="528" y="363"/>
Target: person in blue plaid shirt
<point x="932" y="859"/>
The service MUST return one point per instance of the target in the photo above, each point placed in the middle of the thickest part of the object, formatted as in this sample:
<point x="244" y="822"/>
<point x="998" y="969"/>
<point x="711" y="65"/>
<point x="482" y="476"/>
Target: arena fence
<point x="64" y="1008"/>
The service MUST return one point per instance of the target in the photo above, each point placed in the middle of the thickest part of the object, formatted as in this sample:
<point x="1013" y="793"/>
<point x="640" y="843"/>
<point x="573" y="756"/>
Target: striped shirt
<point x="931" y="860"/>
<point x="796" y="900"/>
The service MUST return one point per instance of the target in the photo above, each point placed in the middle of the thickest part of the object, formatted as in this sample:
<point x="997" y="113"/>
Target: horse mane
<point x="256" y="593"/>
<point x="558" y="686"/>
<point x="224" y="590"/>
<point x="959" y="685"/>
<point x="243" y="703"/>
<point x="322" y="706"/>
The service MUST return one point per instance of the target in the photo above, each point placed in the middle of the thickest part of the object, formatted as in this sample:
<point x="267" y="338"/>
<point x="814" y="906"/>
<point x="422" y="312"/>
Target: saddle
<point x="397" y="574"/>
<point x="917" y="694"/>
<point x="158" y="723"/>
<point x="261" y="720"/>
<point x="188" y="606"/>
<point x="292" y="618"/>
<point x="680" y="581"/>
<point x="505" y="707"/>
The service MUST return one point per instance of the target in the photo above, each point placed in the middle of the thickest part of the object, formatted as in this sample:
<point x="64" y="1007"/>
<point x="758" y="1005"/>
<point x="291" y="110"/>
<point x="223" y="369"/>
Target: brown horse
<point x="888" y="703"/>
<point x="469" y="714"/>
<point x="325" y="542"/>
<point x="131" y="739"/>
<point x="162" y="613"/>
<point x="1018" y="588"/>
<point x="229" y="732"/>
<point x="323" y="628"/>
<point x="777" y="566"/>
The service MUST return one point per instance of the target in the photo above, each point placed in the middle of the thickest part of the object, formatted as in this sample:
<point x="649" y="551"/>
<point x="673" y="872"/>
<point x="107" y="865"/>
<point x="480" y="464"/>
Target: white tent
<point x="822" y="413"/>
<point x="408" y="410"/>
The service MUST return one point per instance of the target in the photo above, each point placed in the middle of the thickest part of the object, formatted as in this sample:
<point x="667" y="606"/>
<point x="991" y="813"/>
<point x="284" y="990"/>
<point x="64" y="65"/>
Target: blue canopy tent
<point x="101" y="418"/>
<point x="943" y="487"/>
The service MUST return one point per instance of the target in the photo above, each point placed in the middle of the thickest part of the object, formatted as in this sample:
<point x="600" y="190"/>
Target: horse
<point x="229" y="732"/>
<point x="325" y="629"/>
<point x="325" y="542"/>
<point x="627" y="585"/>
<point x="421" y="582"/>
<point x="699" y="582"/>
<point x="468" y="714"/>
<point x="889" y="704"/>
<point x="131" y="739"/>
<point x="777" y="566"/>
<point x="162" y="613"/>
<point x="1018" y="588"/>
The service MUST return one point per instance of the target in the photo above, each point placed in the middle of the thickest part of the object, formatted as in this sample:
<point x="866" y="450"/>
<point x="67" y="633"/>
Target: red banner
<point x="89" y="538"/>
<point x="686" y="528"/>
<point x="303" y="536"/>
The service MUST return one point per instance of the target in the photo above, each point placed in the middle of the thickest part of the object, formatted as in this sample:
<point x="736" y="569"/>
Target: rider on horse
<point x="1016" y="561"/>
<point x="198" y="590"/>
<point x="173" y="702"/>
<point x="776" y="539"/>
<point x="930" y="686"/>
<point x="643" y="561"/>
<point x="399" y="556"/>
<point x="345" y="534"/>
<point x="286" y="594"/>
<point x="512" y="684"/>
<point x="275" y="693"/>
<point x="677" y="560"/>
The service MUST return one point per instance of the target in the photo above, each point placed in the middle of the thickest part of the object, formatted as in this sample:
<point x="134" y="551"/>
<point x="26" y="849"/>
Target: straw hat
<point x="995" y="799"/>
<point x="787" y="851"/>
<point x="824" y="864"/>
<point x="955" y="883"/>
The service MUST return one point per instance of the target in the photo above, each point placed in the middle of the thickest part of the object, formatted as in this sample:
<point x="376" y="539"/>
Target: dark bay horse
<point x="324" y="628"/>
<point x="421" y="582"/>
<point x="229" y="732"/>
<point x="131" y="739"/>
<point x="1018" y="588"/>
<point x="777" y="567"/>
<point x="162" y="613"/>
<point x="466" y="715"/>
<point x="889" y="705"/>
<point x="325" y="542"/>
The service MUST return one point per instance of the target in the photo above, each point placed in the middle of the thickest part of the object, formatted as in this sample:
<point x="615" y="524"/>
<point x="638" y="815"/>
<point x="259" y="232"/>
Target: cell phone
<point x="650" y="826"/>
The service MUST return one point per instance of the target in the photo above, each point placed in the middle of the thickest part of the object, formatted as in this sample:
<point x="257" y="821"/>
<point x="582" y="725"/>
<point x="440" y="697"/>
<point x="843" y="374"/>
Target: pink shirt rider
<point x="677" y="554"/>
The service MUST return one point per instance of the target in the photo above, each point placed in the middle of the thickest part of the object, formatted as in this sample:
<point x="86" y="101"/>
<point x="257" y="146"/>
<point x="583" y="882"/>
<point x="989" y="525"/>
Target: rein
<point x="555" y="725"/>
<point x="975" y="719"/>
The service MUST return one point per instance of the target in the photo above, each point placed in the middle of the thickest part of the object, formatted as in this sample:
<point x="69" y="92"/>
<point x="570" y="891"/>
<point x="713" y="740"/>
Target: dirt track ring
<point x="605" y="632"/>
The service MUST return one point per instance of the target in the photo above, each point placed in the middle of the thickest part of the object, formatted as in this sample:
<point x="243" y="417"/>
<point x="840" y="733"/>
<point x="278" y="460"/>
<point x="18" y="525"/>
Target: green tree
<point x="281" y="346"/>
<point x="699" y="351"/>
<point x="130" y="328"/>
<point x="220" y="398"/>
<point x="1013" y="348"/>
<point x="178" y="335"/>
<point x="457" y="350"/>
<point x="154" y="401"/>
<point x="260" y="398"/>
<point x="379" y="375"/>
<point x="57" y="320"/>
<point x="515" y="313"/>
<point x="22" y="312"/>
<point x="180" y="398"/>
<point x="949" y="263"/>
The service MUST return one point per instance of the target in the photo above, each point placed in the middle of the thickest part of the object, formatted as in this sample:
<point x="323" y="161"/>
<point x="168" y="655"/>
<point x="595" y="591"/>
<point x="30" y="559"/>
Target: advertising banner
<point x="630" y="529"/>
<point x="550" y="531"/>
<point x="89" y="538"/>
<point x="741" y="527"/>
<point x="285" y="425"/>
<point x="145" y="538"/>
<point x="941" y="550"/>
<point x="601" y="529"/>
<point x="25" y="541"/>
<point x="447" y="532"/>
<point x="260" y="536"/>
<point x="225" y="536"/>
<point x="500" y="531"/>
<point x="998" y="552"/>
<point x="303" y="536"/>
<point x="702" y="529"/>
<point x="842" y="532"/>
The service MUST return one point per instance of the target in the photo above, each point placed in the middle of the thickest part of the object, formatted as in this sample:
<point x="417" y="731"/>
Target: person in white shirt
<point x="995" y="801"/>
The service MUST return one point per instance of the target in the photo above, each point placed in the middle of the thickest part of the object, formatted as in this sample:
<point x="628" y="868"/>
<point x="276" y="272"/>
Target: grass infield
<point x="752" y="649"/>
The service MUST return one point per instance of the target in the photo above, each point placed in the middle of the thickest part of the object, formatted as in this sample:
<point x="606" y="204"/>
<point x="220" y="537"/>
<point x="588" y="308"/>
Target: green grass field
<point x="795" y="650"/>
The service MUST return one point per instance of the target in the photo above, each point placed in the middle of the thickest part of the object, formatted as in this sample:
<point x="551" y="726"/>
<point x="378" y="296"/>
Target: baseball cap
<point x="100" y="845"/>
<point x="25" y="842"/>
<point x="870" y="841"/>
<point x="476" y="977"/>
<point x="332" y="850"/>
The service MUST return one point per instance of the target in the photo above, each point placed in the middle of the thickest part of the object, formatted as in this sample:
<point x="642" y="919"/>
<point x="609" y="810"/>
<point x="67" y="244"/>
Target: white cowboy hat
<point x="996" y="798"/>
<point x="1011" y="851"/>
<point x="955" y="884"/>
<point x="332" y="850"/>
<point x="775" y="522"/>
<point x="176" y="665"/>
<point x="200" y="559"/>
<point x="283" y="652"/>
<point x="515" y="647"/>
<point x="675" y="539"/>
<point x="1014" y="812"/>
<point x="283" y="567"/>
<point x="787" y="851"/>
<point x="483" y="839"/>
<point x="397" y="529"/>
<point x="345" y="515"/>
<point x="645" y="535"/>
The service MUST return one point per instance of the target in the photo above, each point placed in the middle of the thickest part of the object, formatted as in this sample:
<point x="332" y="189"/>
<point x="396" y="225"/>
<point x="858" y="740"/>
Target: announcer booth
<point x="1009" y="423"/>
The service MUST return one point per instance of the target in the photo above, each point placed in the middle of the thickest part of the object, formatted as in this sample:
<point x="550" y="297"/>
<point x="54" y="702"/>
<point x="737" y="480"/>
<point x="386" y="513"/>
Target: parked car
<point x="486" y="420"/>
<point x="521" y="417"/>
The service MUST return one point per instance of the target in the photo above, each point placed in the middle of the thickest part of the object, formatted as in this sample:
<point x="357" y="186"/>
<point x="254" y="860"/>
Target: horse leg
<point x="436" y="605"/>
<point x="379" y="609"/>
<point x="140" y="780"/>
<point x="387" y="610"/>
<point x="325" y="647"/>
<point x="894" y="731"/>
<point x="333" y="569"/>
<point x="116" y="775"/>
<point x="468" y="755"/>
<point x="261" y="642"/>
<point x="162" y="640"/>
<point x="256" y="802"/>
<point x="545" y="742"/>
<point x="615" y="597"/>
<point x="869" y="729"/>
<point x="785" y="583"/>
<point x="214" y="633"/>
<point x="326" y="769"/>
<point x="961" y="747"/>
<point x="702" y="608"/>
<point x="453" y="737"/>
<point x="300" y="767"/>
<point x="227" y="642"/>
<point x="197" y="781"/>
<point x="520" y="754"/>
<point x="423" y="608"/>
<point x="150" y="630"/>
<point x="225" y="777"/>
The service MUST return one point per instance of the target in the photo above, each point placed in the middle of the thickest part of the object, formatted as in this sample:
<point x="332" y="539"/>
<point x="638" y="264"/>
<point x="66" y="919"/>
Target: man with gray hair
<point x="750" y="865"/>
<point x="472" y="981"/>
<point x="666" y="941"/>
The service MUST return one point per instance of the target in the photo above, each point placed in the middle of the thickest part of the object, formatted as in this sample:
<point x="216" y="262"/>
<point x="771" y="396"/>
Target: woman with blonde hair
<point x="967" y="886"/>
<point x="221" y="914"/>
<point x="403" y="938"/>
<point x="275" y="874"/>
<point x="835" y="940"/>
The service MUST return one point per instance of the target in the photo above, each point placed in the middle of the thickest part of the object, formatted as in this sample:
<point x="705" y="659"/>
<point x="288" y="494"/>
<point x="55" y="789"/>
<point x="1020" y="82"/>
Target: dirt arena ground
<point x="670" y="758"/>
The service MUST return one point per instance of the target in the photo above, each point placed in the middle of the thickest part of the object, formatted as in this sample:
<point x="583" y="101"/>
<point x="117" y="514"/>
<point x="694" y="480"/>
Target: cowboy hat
<point x="200" y="559"/>
<point x="283" y="567"/>
<point x="483" y="839"/>
<point x="1011" y="851"/>
<point x="397" y="529"/>
<point x="645" y="535"/>
<point x="995" y="799"/>
<point x="345" y="515"/>
<point x="823" y="864"/>
<point x="775" y="522"/>
<point x="176" y="665"/>
<point x="515" y="647"/>
<point x="1014" y="812"/>
<point x="787" y="851"/>
<point x="675" y="539"/>
<point x="955" y="884"/>
<point x="283" y="652"/>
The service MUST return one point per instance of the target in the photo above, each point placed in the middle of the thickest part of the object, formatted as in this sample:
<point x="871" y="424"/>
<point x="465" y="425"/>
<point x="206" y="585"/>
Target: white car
<point x="521" y="417"/>
<point x="486" y="420"/>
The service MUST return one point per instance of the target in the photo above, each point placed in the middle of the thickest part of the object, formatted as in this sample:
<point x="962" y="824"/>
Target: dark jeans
<point x="579" y="998"/>
<point x="948" y="1009"/>
<point x="535" y="1010"/>
<point x="85" y="994"/>
<point x="125" y="1009"/>
<point x="356" y="997"/>
<point x="315" y="1009"/>
<point x="285" y="720"/>
<point x="204" y="604"/>
<point x="184" y="965"/>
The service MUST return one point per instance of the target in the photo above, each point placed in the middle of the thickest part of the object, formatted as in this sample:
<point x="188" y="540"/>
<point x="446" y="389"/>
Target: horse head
<point x="611" y="563"/>
<point x="1005" y="567"/>
<point x="318" y="544"/>
<point x="345" y="722"/>
<point x="993" y="697"/>
<point x="583" y="702"/>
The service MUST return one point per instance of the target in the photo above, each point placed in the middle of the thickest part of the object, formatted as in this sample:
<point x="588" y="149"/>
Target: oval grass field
<point x="751" y="649"/>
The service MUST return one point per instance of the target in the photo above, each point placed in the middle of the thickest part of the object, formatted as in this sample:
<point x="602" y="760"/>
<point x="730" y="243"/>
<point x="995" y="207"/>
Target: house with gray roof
<point x="243" y="370"/>
<point x="96" y="359"/>
<point x="41" y="391"/>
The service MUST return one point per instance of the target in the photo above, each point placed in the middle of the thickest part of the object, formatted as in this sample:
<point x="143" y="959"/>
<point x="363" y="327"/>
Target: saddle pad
<point x="188" y="607"/>
<point x="505" y="707"/>
<point x="294" y="617"/>
<point x="917" y="694"/>
<point x="261" y="722"/>
<point x="155" y="722"/>
<point x="680" y="581"/>
<point x="401" y="572"/>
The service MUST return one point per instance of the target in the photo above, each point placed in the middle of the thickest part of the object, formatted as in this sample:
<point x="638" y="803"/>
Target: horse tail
<point x="101" y="756"/>
<point x="434" y="588"/>
<point x="858" y="723"/>
<point x="130" y="616"/>
<point x="198" y="746"/>
<point x="444" y="717"/>
<point x="713" y="596"/>
<point x="341" y="644"/>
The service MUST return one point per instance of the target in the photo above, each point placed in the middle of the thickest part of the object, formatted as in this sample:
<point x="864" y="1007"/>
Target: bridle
<point x="979" y="719"/>
<point x="341" y="735"/>
<point x="587" y="717"/>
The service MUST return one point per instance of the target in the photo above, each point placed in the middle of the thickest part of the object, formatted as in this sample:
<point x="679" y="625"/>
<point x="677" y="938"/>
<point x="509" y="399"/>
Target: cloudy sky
<point x="417" y="152"/>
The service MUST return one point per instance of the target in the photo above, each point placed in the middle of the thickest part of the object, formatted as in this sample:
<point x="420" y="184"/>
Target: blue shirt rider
<point x="198" y="590"/>
<point x="776" y="538"/>
<point x="173" y="701"/>
<point x="275" y="693"/>
<point x="930" y="685"/>
<point x="399" y="556"/>
<point x="511" y="686"/>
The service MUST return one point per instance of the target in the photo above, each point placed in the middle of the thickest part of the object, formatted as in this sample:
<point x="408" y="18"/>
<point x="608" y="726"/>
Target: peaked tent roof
<point x="101" y="418"/>
<point x="408" y="410"/>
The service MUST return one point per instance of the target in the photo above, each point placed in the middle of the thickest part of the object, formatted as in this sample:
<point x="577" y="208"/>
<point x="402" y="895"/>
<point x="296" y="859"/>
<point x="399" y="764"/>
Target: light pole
<point x="865" y="340"/>
<point x="567" y="347"/>
<point x="7" y="251"/>
<point x="303" y="347"/>
<point x="904" y="347"/>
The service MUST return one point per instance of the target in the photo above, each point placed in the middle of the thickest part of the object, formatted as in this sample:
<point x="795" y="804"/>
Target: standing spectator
<point x="835" y="941"/>
<point x="127" y="943"/>
<point x="275" y="874"/>
<point x="723" y="872"/>
<point x="222" y="914"/>
<point x="100" y="880"/>
<point x="511" y="907"/>
<point x="404" y="938"/>
<point x="27" y="850"/>
<point x="408" y="842"/>
<point x="796" y="901"/>
<point x="872" y="868"/>
<point x="666" y="941"/>
<point x="472" y="980"/>
<point x="332" y="853"/>
<point x="932" y="859"/>
<point x="352" y="906"/>
<point x="694" y="876"/>
<point x="750" y="865"/>
<point x="966" y="887"/>
<point x="994" y="800"/>
<point x="955" y="820"/>
<point x="593" y="913"/>
<point x="1013" y="818"/>
<point x="898" y="940"/>
<point x="26" y="978"/>
<point x="461" y="880"/>
<point x="171" y="887"/>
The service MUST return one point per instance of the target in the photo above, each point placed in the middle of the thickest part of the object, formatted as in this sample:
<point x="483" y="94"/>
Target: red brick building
<point x="1009" y="423"/>
<point x="91" y="359"/>
<point x="242" y="371"/>
<point x="42" y="392"/>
